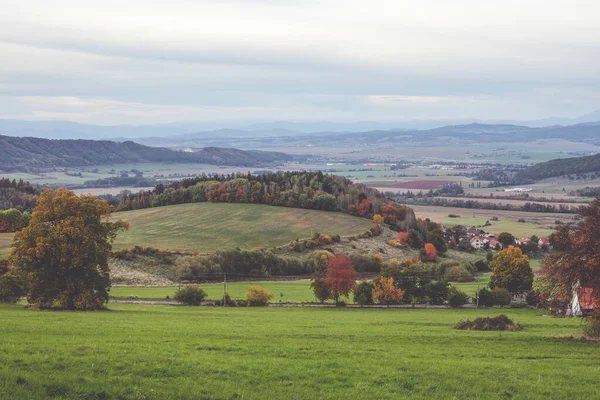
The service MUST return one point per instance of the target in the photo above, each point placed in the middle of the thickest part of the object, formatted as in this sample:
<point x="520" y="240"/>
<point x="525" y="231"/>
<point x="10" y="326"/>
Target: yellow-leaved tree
<point x="511" y="271"/>
<point x="63" y="254"/>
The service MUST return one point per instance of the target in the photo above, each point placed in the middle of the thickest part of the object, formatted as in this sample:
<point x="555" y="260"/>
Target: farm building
<point x="523" y="241"/>
<point x="582" y="302"/>
<point x="545" y="242"/>
<point x="478" y="242"/>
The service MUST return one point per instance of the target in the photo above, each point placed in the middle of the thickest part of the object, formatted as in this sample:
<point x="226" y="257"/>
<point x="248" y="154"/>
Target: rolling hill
<point x="206" y="227"/>
<point x="25" y="153"/>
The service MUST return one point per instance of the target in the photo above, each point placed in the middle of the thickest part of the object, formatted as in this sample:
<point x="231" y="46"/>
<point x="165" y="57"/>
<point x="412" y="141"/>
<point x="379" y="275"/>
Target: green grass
<point x="5" y="241"/>
<point x="162" y="352"/>
<point x="293" y="291"/>
<point x="518" y="229"/>
<point x="470" y="288"/>
<point x="206" y="227"/>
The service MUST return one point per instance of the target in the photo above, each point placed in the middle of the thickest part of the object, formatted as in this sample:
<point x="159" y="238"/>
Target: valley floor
<point x="162" y="352"/>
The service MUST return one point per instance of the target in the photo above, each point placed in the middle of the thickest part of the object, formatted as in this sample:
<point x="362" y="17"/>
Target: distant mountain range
<point x="73" y="130"/>
<point x="450" y="135"/>
<point x="24" y="154"/>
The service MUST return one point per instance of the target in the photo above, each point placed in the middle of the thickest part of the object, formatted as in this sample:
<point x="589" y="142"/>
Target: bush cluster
<point x="317" y="240"/>
<point x="190" y="295"/>
<point x="498" y="323"/>
<point x="157" y="256"/>
<point x="258" y="296"/>
<point x="456" y="298"/>
<point x="496" y="297"/>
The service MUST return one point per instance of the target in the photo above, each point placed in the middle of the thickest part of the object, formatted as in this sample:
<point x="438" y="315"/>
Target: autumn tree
<point x="365" y="208"/>
<point x="320" y="287"/>
<point x="506" y="239"/>
<point x="576" y="260"/>
<point x="378" y="219"/>
<point x="385" y="292"/>
<point x="436" y="238"/>
<point x="62" y="254"/>
<point x="340" y="276"/>
<point x="430" y="252"/>
<point x="511" y="271"/>
<point x="403" y="238"/>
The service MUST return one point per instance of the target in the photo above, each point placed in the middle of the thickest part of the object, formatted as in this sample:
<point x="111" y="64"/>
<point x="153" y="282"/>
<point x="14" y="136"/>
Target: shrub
<point x="482" y="265"/>
<point x="501" y="297"/>
<point x="498" y="323"/>
<point x="190" y="295"/>
<point x="486" y="297"/>
<point x="226" y="300"/>
<point x="459" y="274"/>
<point x="532" y="298"/>
<point x="258" y="296"/>
<point x="437" y="291"/>
<point x="10" y="289"/>
<point x="591" y="325"/>
<point x="363" y="293"/>
<point x="456" y="298"/>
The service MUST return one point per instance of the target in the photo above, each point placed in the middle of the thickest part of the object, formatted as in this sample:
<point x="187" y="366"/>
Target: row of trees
<point x="18" y="194"/>
<point x="13" y="220"/>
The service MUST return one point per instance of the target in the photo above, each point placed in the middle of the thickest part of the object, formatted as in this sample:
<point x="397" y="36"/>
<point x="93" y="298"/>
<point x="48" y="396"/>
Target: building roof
<point x="586" y="300"/>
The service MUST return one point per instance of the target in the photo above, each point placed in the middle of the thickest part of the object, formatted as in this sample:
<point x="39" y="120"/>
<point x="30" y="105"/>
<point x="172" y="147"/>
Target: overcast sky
<point x="142" y="62"/>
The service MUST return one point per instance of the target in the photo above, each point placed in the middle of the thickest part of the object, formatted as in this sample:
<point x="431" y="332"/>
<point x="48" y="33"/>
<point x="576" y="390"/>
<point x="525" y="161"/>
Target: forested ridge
<point x="558" y="167"/>
<point x="27" y="153"/>
<point x="313" y="190"/>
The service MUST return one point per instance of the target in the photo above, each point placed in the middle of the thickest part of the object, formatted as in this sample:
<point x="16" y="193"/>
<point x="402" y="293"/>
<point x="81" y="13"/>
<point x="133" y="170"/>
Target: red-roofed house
<point x="494" y="243"/>
<point x="583" y="301"/>
<point x="545" y="242"/>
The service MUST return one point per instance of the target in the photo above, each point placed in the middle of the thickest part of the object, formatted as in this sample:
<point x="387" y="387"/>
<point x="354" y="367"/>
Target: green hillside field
<point x="206" y="227"/>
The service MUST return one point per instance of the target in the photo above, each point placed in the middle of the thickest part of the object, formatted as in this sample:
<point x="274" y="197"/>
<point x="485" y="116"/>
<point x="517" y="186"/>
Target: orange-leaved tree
<point x="430" y="252"/>
<point x="385" y="292"/>
<point x="378" y="219"/>
<point x="340" y="276"/>
<point x="403" y="238"/>
<point x="63" y="253"/>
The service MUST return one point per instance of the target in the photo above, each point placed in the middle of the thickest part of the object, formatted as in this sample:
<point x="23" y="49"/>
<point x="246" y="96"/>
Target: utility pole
<point x="224" y="289"/>
<point x="477" y="296"/>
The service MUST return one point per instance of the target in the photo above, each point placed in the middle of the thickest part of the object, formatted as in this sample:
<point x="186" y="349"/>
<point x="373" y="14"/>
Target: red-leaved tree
<point x="576" y="259"/>
<point x="431" y="252"/>
<point x="341" y="276"/>
<point x="365" y="208"/>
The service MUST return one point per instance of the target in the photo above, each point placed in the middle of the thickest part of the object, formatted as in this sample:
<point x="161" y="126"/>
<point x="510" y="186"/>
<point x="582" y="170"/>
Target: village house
<point x="582" y="302"/>
<point x="478" y="242"/>
<point x="545" y="242"/>
<point x="523" y="241"/>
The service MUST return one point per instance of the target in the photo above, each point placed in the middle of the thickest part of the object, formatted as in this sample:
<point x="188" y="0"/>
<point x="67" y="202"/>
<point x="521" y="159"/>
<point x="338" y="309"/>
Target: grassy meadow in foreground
<point x="162" y="352"/>
<point x="206" y="227"/>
